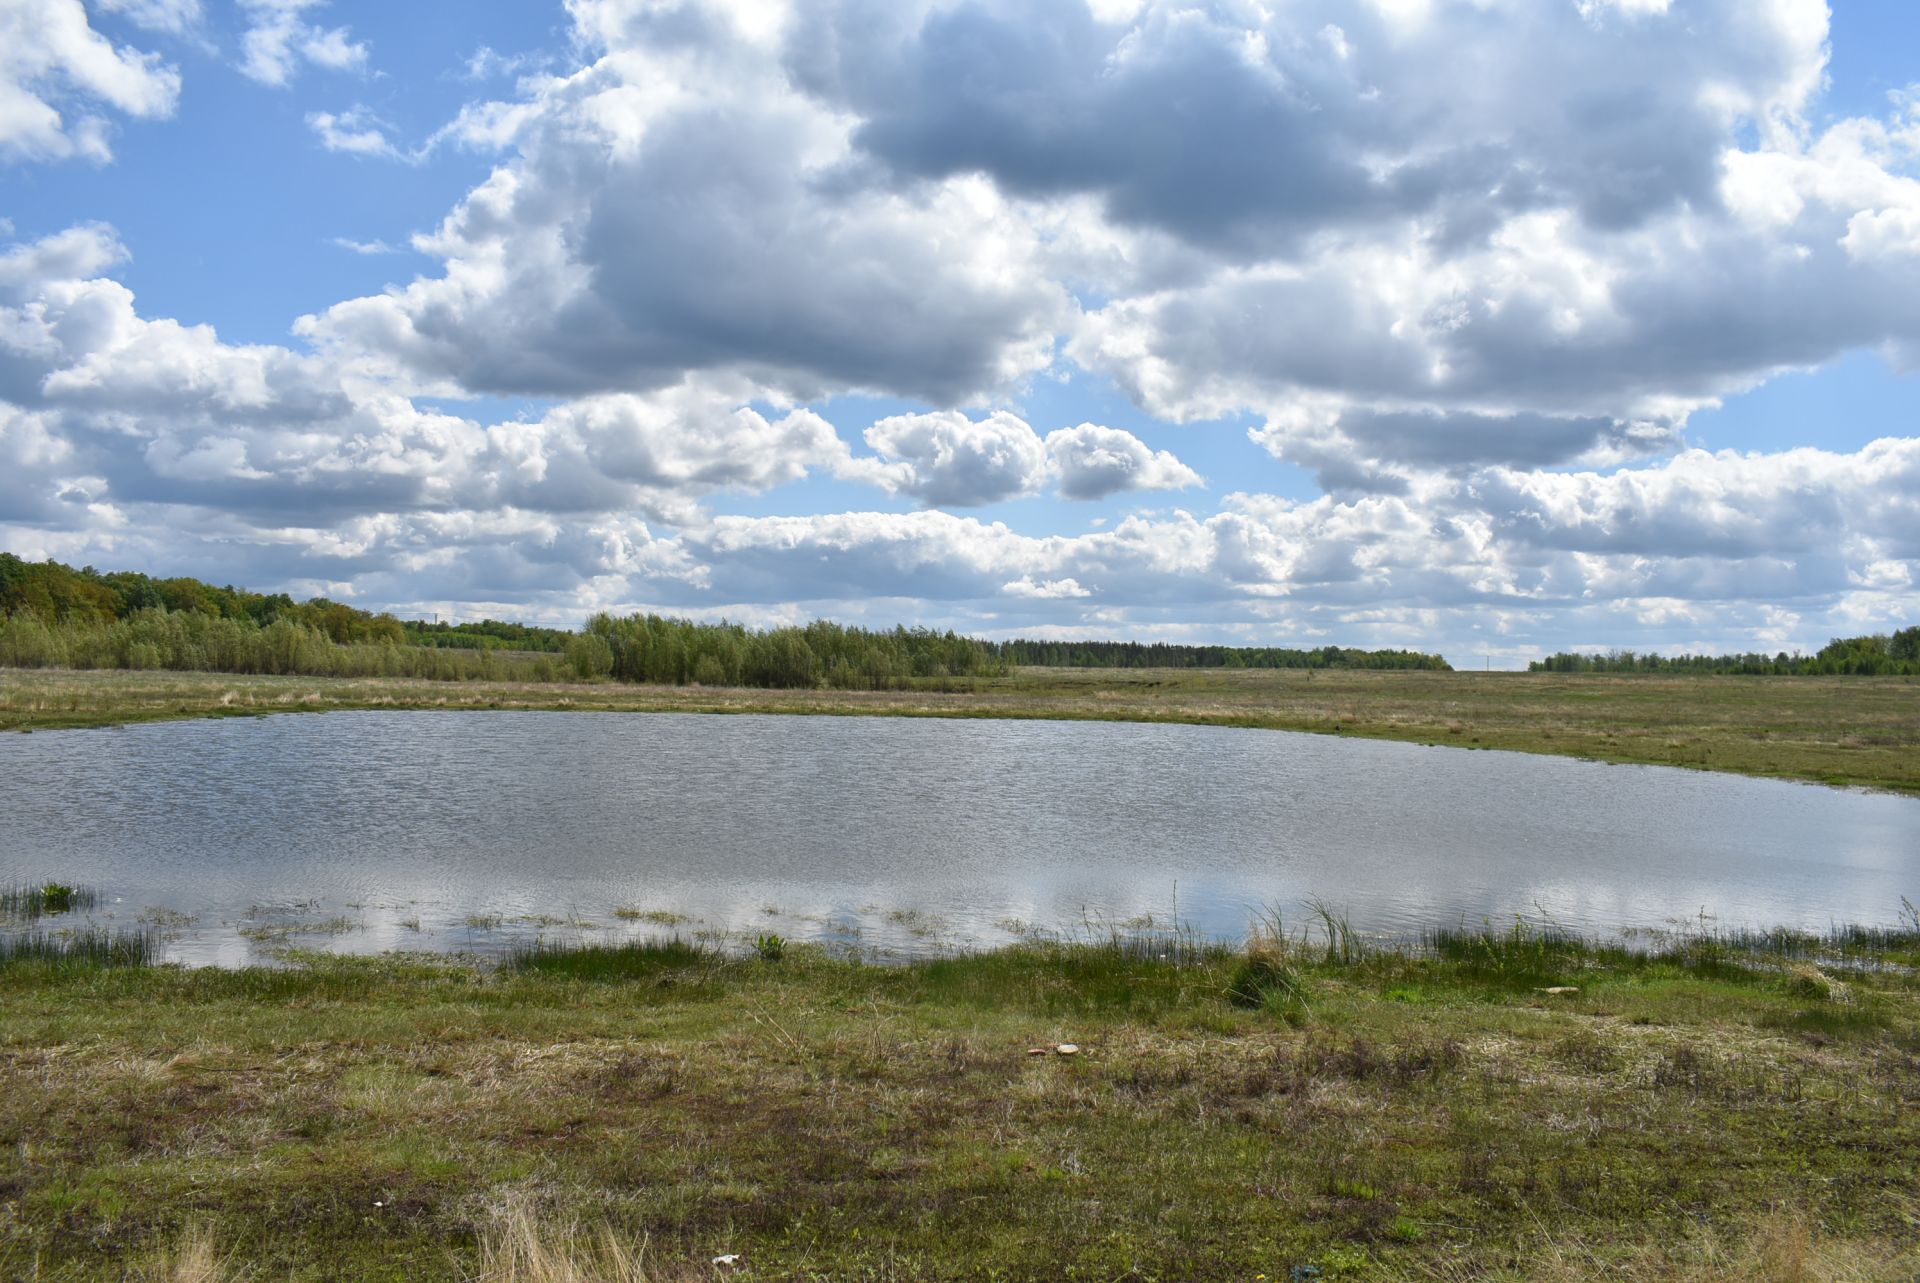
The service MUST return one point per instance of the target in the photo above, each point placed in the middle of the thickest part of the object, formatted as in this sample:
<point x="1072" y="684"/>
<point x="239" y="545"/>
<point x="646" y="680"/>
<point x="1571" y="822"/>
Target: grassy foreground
<point x="1283" y="1114"/>
<point x="1836" y="730"/>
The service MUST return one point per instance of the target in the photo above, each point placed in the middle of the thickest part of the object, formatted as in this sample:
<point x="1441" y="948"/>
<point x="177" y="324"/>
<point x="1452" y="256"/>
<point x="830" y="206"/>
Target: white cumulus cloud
<point x="278" y="39"/>
<point x="57" y="73"/>
<point x="1093" y="462"/>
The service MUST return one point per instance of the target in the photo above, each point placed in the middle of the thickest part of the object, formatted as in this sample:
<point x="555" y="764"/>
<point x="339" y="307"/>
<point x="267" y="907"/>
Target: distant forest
<point x="56" y="616"/>
<point x="1880" y="655"/>
<point x="1110" y="654"/>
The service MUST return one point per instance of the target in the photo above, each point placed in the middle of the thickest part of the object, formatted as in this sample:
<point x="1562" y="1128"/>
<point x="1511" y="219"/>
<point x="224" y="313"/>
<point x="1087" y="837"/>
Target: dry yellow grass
<point x="194" y="1259"/>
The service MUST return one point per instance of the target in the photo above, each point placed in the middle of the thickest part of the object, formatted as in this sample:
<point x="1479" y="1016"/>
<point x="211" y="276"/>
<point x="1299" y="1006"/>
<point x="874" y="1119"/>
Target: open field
<point x="1838" y="730"/>
<point x="1705" y="1114"/>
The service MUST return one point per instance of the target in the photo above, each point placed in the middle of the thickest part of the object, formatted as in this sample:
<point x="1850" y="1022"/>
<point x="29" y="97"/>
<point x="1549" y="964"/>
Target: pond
<point x="469" y="830"/>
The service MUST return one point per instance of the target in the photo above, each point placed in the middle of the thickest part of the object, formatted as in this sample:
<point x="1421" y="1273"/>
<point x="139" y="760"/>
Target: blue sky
<point x="1489" y="327"/>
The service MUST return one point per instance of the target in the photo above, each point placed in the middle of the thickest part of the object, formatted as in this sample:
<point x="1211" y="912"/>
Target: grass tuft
<point x="193" y="1260"/>
<point x="519" y="1250"/>
<point x="1268" y="977"/>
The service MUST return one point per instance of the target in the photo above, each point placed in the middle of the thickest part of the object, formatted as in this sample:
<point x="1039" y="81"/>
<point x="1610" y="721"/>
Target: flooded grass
<point x="35" y="900"/>
<point x="655" y="917"/>
<point x="82" y="950"/>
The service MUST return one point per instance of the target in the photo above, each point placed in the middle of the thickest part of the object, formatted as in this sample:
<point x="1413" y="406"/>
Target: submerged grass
<point x="78" y="950"/>
<point x="37" y="899"/>
<point x="1287" y="1108"/>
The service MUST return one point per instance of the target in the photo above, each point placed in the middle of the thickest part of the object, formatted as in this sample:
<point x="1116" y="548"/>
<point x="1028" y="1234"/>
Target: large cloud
<point x="1250" y="127"/>
<point x="1434" y="235"/>
<point x="56" y="71"/>
<point x="680" y="208"/>
<point x="171" y="414"/>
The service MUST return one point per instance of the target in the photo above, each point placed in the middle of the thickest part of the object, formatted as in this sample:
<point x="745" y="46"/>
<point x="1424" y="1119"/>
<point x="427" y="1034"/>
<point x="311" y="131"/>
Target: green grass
<point x="1859" y="731"/>
<point x="631" y="960"/>
<point x="1705" y="1113"/>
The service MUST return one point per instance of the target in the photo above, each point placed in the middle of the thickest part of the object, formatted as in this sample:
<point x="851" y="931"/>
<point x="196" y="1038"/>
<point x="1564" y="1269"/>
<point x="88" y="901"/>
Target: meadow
<point x="1856" y="730"/>
<point x="1489" y="1104"/>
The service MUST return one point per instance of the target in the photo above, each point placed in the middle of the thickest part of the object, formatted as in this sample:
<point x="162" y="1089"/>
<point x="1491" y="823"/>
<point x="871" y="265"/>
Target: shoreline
<point x="1847" y="732"/>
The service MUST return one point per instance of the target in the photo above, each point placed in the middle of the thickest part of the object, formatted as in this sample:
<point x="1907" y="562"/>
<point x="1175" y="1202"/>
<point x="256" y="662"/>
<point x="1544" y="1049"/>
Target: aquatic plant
<point x="34" y="900"/>
<point x="770" y="947"/>
<point x="657" y="917"/>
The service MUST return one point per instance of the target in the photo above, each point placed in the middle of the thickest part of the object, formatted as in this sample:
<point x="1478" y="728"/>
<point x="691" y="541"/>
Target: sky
<point x="1485" y="327"/>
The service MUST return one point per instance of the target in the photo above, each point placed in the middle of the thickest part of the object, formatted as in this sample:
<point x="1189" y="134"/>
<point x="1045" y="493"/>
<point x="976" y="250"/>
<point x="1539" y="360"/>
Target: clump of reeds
<point x="80" y="949"/>
<point x="616" y="961"/>
<point x="1344" y="945"/>
<point x="38" y="899"/>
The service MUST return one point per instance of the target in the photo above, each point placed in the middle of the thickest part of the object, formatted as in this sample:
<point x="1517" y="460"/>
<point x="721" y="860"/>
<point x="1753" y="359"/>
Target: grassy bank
<point x="1289" y="1113"/>
<point x="1841" y="730"/>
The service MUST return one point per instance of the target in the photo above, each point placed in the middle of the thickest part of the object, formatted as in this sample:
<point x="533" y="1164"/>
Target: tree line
<point x="55" y="593"/>
<point x="1879" y="655"/>
<point x="1119" y="654"/>
<point x="53" y="615"/>
<point x="652" y="648"/>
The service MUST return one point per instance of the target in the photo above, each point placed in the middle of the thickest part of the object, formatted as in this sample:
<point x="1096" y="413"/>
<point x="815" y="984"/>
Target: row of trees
<point x="56" y="593"/>
<point x="1882" y="654"/>
<point x="189" y="641"/>
<point x="651" y="648"/>
<point x="639" y="648"/>
<point x="1109" y="654"/>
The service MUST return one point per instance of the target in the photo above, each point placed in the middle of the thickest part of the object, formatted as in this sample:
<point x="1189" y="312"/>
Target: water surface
<point x="370" y="831"/>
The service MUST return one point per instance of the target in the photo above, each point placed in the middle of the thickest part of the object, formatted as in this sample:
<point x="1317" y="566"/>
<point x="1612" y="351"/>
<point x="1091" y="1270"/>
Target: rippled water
<point x="369" y="831"/>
